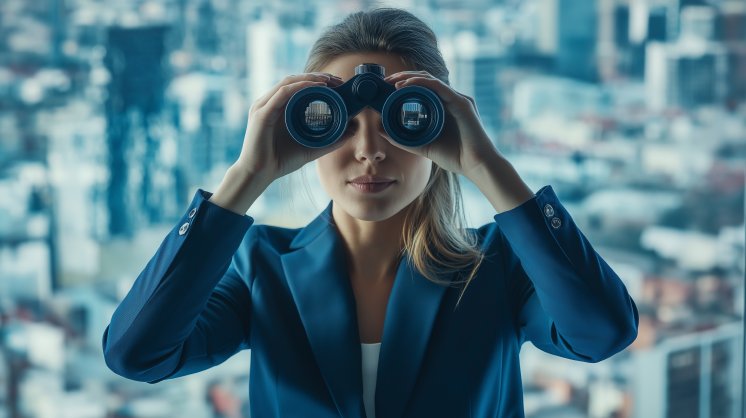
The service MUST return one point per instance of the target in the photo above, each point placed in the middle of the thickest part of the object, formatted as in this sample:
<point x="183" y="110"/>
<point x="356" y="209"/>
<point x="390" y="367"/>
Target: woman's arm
<point x="568" y="301"/>
<point x="189" y="309"/>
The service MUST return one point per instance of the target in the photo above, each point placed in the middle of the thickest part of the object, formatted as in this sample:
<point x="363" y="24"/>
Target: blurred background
<point x="114" y="112"/>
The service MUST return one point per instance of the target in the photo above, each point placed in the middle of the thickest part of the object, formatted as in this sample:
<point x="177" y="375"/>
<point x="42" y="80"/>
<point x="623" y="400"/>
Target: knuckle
<point x="466" y="99"/>
<point x="286" y="80"/>
<point x="465" y="102"/>
<point x="260" y="115"/>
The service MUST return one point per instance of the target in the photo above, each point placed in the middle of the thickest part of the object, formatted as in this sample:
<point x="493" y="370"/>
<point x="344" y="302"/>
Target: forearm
<point x="239" y="189"/>
<point x="579" y="292"/>
<point x="146" y="335"/>
<point x="500" y="183"/>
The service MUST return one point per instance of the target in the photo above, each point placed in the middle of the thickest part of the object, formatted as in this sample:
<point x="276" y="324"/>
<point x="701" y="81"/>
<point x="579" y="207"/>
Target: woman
<point x="315" y="304"/>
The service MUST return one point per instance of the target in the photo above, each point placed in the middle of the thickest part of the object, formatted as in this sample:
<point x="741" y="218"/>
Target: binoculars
<point x="317" y="116"/>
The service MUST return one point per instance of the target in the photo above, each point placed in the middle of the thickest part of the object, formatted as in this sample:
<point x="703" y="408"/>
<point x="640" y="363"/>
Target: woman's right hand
<point x="268" y="150"/>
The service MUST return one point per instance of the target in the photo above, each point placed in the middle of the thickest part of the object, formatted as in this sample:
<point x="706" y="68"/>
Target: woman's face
<point x="366" y="151"/>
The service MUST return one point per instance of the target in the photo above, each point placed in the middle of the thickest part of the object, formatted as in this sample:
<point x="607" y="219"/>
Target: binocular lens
<point x="414" y="116"/>
<point x="318" y="116"/>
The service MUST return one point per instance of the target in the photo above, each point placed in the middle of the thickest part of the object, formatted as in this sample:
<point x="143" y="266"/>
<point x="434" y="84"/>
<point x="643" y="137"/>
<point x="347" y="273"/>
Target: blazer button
<point x="548" y="210"/>
<point x="184" y="228"/>
<point x="192" y="212"/>
<point x="556" y="222"/>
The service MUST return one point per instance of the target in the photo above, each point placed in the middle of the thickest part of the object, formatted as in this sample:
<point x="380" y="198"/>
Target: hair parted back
<point x="434" y="233"/>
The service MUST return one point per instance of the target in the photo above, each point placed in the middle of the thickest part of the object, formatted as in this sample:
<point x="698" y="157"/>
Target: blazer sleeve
<point x="567" y="300"/>
<point x="189" y="309"/>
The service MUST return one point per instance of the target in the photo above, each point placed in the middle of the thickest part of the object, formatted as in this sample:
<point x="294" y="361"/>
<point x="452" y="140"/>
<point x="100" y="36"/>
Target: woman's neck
<point x="373" y="248"/>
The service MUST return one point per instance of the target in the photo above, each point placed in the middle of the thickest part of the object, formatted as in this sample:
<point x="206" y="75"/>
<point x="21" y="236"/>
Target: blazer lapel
<point x="410" y="316"/>
<point x="316" y="272"/>
<point x="316" y="269"/>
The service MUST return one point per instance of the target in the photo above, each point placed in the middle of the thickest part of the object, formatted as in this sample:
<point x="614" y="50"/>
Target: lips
<point x="371" y="183"/>
<point x="371" y="187"/>
<point x="371" y="180"/>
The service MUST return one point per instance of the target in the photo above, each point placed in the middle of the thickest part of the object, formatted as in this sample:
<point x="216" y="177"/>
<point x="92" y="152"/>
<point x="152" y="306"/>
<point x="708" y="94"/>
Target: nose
<point x="369" y="143"/>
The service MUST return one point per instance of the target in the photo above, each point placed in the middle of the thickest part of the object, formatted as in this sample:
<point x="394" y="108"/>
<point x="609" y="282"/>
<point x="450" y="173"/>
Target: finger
<point x="404" y="74"/>
<point x="262" y="101"/>
<point x="468" y="98"/>
<point x="293" y="79"/>
<point x="445" y="92"/>
<point x="271" y="110"/>
<point x="335" y="82"/>
<point x="471" y="100"/>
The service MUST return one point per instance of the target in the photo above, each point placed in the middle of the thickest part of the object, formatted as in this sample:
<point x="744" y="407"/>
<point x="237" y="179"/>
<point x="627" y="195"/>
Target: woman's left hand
<point x="463" y="145"/>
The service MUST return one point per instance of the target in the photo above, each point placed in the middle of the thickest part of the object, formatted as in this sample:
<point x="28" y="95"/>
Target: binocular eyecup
<point x="317" y="116"/>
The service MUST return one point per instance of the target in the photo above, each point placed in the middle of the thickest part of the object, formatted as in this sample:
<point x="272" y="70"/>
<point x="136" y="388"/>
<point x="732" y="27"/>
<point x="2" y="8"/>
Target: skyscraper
<point x="577" y="26"/>
<point x="695" y="375"/>
<point x="135" y="95"/>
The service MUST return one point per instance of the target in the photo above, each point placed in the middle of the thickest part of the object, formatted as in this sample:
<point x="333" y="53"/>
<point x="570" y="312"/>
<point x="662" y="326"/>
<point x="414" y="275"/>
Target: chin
<point x="369" y="210"/>
<point x="373" y="214"/>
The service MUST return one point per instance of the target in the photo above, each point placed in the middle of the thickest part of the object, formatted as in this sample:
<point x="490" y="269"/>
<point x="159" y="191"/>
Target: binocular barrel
<point x="317" y="116"/>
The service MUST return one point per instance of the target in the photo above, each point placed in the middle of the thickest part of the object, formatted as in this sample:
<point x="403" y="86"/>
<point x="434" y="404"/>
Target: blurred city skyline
<point x="113" y="113"/>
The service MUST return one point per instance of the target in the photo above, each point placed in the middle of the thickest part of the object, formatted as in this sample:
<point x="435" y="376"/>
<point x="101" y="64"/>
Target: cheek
<point x="322" y="165"/>
<point x="322" y="168"/>
<point x="419" y="172"/>
<point x="329" y="168"/>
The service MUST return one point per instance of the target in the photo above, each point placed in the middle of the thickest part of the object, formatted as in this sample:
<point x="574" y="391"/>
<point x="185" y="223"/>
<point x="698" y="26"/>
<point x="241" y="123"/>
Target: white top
<point x="370" y="371"/>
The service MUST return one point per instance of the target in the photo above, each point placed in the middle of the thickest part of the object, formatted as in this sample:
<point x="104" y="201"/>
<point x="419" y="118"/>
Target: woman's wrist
<point x="499" y="181"/>
<point x="239" y="189"/>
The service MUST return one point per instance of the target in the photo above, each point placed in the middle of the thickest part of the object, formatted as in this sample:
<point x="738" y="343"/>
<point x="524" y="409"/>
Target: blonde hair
<point x="434" y="234"/>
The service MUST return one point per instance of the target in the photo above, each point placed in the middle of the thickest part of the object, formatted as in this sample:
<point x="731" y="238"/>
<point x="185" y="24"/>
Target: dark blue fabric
<point x="227" y="285"/>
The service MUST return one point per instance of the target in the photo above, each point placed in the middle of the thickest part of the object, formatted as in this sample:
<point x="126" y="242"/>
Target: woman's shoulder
<point x="270" y="236"/>
<point x="262" y="242"/>
<point x="487" y="237"/>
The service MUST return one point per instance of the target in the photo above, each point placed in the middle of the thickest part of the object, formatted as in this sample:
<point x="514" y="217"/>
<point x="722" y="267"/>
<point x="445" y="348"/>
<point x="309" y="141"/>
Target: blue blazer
<point x="219" y="284"/>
